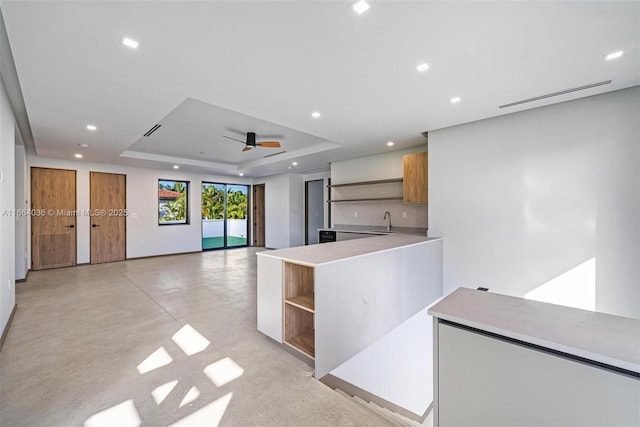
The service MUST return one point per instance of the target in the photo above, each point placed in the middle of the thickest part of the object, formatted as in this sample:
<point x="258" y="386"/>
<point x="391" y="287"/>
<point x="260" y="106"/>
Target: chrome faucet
<point x="387" y="216"/>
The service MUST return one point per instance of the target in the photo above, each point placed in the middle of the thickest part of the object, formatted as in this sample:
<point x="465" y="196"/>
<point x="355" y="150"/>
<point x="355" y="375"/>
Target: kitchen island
<point x="332" y="301"/>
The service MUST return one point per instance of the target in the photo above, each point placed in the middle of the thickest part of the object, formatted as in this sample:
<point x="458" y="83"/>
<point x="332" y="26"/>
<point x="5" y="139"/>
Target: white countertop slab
<point x="314" y="255"/>
<point x="604" y="338"/>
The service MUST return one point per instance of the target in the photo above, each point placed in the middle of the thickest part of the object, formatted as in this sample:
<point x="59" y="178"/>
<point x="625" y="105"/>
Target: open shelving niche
<point x="299" y="308"/>
<point x="386" y="195"/>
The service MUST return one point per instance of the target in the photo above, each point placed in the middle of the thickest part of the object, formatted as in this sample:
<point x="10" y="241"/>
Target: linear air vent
<point x="275" y="154"/>
<point x="152" y="130"/>
<point x="562" y="92"/>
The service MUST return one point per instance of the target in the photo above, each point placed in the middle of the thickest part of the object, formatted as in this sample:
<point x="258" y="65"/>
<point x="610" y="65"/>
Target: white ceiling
<point x="206" y="68"/>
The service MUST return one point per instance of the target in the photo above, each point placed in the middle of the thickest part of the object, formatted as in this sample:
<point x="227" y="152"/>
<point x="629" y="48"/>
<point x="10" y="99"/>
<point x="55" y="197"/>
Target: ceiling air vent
<point x="152" y="130"/>
<point x="275" y="154"/>
<point x="562" y="92"/>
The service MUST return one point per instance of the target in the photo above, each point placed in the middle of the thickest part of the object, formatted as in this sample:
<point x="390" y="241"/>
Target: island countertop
<point x="600" y="337"/>
<point x="314" y="255"/>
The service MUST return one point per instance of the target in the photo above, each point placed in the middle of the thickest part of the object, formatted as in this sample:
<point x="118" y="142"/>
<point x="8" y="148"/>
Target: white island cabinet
<point x="506" y="361"/>
<point x="332" y="301"/>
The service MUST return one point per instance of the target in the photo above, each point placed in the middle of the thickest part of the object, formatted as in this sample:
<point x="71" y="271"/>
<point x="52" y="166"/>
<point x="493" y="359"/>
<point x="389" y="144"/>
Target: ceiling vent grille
<point x="152" y="130"/>
<point x="562" y="92"/>
<point x="275" y="154"/>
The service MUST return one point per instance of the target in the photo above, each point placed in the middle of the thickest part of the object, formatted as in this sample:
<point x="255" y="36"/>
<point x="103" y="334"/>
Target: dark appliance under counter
<point x="326" y="236"/>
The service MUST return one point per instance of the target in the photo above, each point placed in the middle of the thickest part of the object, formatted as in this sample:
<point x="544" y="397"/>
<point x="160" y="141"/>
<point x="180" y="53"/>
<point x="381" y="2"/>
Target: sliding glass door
<point x="224" y="215"/>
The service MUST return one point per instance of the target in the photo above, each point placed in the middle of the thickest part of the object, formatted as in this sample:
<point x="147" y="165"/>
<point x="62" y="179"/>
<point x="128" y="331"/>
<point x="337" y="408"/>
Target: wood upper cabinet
<point x="415" y="186"/>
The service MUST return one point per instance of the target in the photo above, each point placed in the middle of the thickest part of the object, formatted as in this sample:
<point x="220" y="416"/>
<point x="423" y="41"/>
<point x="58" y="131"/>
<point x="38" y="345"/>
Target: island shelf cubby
<point x="299" y="308"/>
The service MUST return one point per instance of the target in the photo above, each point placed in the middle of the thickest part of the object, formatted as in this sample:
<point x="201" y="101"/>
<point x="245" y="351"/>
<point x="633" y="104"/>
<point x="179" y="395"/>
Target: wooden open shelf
<point x="299" y="308"/>
<point x="303" y="343"/>
<point x="353" y="184"/>
<point x="299" y="330"/>
<point x="305" y="302"/>
<point x="364" y="200"/>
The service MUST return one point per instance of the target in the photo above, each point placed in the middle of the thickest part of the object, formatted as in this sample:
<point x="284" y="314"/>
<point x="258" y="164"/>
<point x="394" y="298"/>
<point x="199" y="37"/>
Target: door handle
<point x="95" y="225"/>
<point x="70" y="226"/>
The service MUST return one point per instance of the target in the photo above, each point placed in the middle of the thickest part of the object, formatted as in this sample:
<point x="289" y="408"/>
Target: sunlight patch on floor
<point x="191" y="395"/>
<point x="223" y="371"/>
<point x="156" y="360"/>
<point x="190" y="341"/>
<point x="161" y="392"/>
<point x="121" y="415"/>
<point x="574" y="288"/>
<point x="210" y="415"/>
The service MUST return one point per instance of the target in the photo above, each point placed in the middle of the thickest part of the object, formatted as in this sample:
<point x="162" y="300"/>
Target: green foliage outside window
<point x="173" y="204"/>
<point x="213" y="203"/>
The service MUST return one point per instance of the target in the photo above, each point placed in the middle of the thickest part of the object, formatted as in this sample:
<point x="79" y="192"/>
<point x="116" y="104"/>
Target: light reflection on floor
<point x="191" y="342"/>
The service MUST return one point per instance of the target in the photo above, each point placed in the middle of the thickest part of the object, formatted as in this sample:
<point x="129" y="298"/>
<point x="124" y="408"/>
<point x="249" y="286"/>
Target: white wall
<point x="371" y="168"/>
<point x="215" y="227"/>
<point x="144" y="236"/>
<point x="7" y="208"/>
<point x="284" y="220"/>
<point x="524" y="198"/>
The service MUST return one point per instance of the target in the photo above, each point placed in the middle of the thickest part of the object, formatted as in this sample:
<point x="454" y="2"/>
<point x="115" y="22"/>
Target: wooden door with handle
<point x="53" y="218"/>
<point x="108" y="217"/>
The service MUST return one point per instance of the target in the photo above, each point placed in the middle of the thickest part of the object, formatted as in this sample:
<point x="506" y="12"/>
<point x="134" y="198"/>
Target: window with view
<point x="173" y="203"/>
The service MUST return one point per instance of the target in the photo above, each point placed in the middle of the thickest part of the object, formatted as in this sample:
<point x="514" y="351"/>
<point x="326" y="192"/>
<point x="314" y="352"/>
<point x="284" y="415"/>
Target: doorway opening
<point x="224" y="215"/>
<point x="258" y="215"/>
<point x="314" y="210"/>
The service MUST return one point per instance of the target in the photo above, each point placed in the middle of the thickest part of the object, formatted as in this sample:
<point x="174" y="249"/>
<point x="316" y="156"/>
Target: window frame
<point x="187" y="216"/>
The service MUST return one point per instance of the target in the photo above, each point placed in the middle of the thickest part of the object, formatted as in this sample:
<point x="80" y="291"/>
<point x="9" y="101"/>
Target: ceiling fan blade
<point x="247" y="148"/>
<point x="269" y="144"/>
<point x="228" y="137"/>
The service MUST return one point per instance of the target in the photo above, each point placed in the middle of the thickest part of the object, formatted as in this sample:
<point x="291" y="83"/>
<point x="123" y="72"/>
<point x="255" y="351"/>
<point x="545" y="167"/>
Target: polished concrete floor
<point x="156" y="342"/>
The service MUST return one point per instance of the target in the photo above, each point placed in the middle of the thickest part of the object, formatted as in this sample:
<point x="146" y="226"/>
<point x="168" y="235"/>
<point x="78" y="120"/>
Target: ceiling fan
<point x="250" y="142"/>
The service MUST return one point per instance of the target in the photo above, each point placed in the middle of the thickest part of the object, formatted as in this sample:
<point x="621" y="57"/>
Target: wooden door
<point x="108" y="217"/>
<point x="53" y="219"/>
<point x="258" y="215"/>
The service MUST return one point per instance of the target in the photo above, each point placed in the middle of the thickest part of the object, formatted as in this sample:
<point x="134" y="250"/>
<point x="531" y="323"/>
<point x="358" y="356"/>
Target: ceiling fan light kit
<point x="250" y="142"/>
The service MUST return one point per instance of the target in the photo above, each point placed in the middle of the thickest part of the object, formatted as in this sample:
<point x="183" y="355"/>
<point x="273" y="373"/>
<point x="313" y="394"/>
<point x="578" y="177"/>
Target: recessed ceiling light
<point x="289" y="167"/>
<point x="390" y="143"/>
<point x="129" y="42"/>
<point x="78" y="156"/>
<point x="422" y="67"/>
<point x="294" y="163"/>
<point x="316" y="115"/>
<point x="91" y="127"/>
<point x="614" y="55"/>
<point x="455" y="100"/>
<point x="241" y="174"/>
<point x="361" y="7"/>
<point x="176" y="167"/>
<point x="83" y="145"/>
